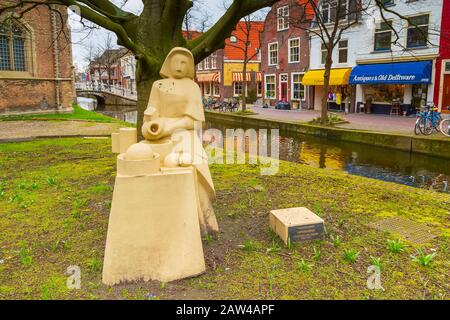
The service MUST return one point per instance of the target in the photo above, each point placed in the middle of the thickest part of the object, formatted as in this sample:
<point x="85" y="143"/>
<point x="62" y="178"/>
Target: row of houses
<point x="369" y="72"/>
<point x="285" y="62"/>
<point x="373" y="66"/>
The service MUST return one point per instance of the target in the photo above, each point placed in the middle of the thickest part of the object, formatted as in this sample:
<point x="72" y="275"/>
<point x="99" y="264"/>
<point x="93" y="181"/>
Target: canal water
<point x="359" y="159"/>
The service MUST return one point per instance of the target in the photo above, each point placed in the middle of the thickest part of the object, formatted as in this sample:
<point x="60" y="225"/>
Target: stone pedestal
<point x="154" y="231"/>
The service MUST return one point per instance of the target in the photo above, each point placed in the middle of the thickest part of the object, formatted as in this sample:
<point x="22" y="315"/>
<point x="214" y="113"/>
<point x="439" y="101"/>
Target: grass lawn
<point x="55" y="197"/>
<point x="77" y="114"/>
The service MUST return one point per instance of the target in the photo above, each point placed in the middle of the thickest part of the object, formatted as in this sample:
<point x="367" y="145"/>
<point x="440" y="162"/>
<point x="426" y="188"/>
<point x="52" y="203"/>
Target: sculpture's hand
<point x="150" y="114"/>
<point x="153" y="130"/>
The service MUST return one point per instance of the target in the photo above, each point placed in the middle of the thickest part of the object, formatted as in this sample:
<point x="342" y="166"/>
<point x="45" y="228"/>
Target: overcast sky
<point x="82" y="39"/>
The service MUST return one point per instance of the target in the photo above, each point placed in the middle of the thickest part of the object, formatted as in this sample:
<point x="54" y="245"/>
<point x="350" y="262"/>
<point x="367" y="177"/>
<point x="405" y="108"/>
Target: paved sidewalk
<point x="10" y="130"/>
<point x="371" y="122"/>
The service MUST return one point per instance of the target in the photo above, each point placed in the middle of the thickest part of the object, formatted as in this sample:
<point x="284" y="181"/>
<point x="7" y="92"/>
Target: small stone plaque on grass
<point x="296" y="224"/>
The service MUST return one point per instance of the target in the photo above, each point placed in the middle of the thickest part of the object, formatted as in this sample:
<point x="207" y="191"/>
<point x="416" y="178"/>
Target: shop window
<point x="238" y="88"/>
<point x="273" y="54"/>
<point x="384" y="93"/>
<point x="270" y="85"/>
<point x="259" y="89"/>
<point x="12" y="47"/>
<point x="383" y="36"/>
<point x="207" y="88"/>
<point x="324" y="52"/>
<point x="283" y="18"/>
<point x="216" y="90"/>
<point x="417" y="35"/>
<point x="214" y="61"/>
<point x="343" y="51"/>
<point x="298" y="90"/>
<point x="294" y="50"/>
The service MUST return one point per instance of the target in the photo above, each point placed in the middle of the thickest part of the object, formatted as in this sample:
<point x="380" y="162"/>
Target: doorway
<point x="446" y="92"/>
<point x="284" y="78"/>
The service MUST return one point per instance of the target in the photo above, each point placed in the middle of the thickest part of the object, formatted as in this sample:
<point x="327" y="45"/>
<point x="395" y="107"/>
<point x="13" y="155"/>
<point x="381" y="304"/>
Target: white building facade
<point x="378" y="70"/>
<point x="128" y="69"/>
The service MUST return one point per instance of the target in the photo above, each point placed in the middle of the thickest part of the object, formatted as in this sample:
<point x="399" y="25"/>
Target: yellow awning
<point x="337" y="77"/>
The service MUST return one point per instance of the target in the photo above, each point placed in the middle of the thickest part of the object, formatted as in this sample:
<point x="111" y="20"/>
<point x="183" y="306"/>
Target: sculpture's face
<point x="179" y="65"/>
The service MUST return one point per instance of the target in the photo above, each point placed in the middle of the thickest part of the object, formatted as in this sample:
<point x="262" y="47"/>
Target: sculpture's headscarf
<point x="166" y="70"/>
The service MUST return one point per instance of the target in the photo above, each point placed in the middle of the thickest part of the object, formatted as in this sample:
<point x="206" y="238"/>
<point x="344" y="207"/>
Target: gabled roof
<point x="235" y="51"/>
<point x="309" y="9"/>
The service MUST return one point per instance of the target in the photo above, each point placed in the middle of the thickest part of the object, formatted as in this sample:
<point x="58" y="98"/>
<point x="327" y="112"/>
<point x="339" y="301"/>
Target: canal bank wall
<point x="428" y="146"/>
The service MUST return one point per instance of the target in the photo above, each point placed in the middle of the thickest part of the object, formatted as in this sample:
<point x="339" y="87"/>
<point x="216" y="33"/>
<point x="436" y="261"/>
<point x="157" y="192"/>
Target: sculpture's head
<point x="179" y="64"/>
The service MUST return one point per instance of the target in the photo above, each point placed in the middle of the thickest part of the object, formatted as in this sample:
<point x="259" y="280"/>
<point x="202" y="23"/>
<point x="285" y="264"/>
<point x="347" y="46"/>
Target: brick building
<point x="221" y="74"/>
<point x="36" y="72"/>
<point x="442" y="78"/>
<point x="107" y="68"/>
<point x="285" y="54"/>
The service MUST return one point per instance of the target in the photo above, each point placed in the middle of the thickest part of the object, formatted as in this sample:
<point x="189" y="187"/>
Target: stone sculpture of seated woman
<point x="174" y="110"/>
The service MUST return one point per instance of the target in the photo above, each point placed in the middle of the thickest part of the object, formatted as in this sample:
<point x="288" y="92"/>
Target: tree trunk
<point x="145" y="77"/>
<point x="244" y="87"/>
<point x="326" y="85"/>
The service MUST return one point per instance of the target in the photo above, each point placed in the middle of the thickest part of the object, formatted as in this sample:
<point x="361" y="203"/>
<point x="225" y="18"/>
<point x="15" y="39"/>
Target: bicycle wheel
<point x="426" y="126"/>
<point x="437" y="124"/>
<point x="445" y="127"/>
<point x="417" y="130"/>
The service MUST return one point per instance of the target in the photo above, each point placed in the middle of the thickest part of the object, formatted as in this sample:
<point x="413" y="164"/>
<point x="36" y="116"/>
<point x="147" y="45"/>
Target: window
<point x="298" y="90"/>
<point x="325" y="10"/>
<point x="388" y="3"/>
<point x="447" y="66"/>
<point x="259" y="89"/>
<point x="383" y="36"/>
<point x="12" y="47"/>
<point x="294" y="50"/>
<point x="283" y="18"/>
<point x="270" y="83"/>
<point x="200" y="66"/>
<point x="343" y="51"/>
<point x="417" y="35"/>
<point x="324" y="52"/>
<point x="238" y="88"/>
<point x="214" y="61"/>
<point x="329" y="12"/>
<point x="216" y="90"/>
<point x="273" y="54"/>
<point x="207" y="88"/>
<point x="206" y="64"/>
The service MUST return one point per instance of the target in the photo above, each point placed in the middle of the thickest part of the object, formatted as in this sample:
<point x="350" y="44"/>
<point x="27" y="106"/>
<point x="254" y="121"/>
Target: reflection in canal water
<point x="358" y="159"/>
<point x="124" y="113"/>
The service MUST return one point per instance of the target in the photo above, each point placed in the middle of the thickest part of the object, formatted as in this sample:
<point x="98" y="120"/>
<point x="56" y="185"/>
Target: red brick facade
<point x="285" y="74"/>
<point x="46" y="81"/>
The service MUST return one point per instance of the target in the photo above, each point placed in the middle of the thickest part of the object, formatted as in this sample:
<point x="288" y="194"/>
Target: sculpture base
<point x="153" y="231"/>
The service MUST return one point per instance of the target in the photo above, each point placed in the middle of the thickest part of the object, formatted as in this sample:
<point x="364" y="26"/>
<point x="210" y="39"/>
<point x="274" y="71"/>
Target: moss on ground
<point x="55" y="197"/>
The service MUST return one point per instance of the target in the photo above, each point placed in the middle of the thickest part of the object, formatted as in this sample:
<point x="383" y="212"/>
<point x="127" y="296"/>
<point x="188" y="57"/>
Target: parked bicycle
<point x="428" y="120"/>
<point x="445" y="125"/>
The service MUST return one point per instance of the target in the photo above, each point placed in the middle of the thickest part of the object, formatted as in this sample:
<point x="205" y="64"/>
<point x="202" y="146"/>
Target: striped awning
<point x="239" y="77"/>
<point x="208" y="77"/>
